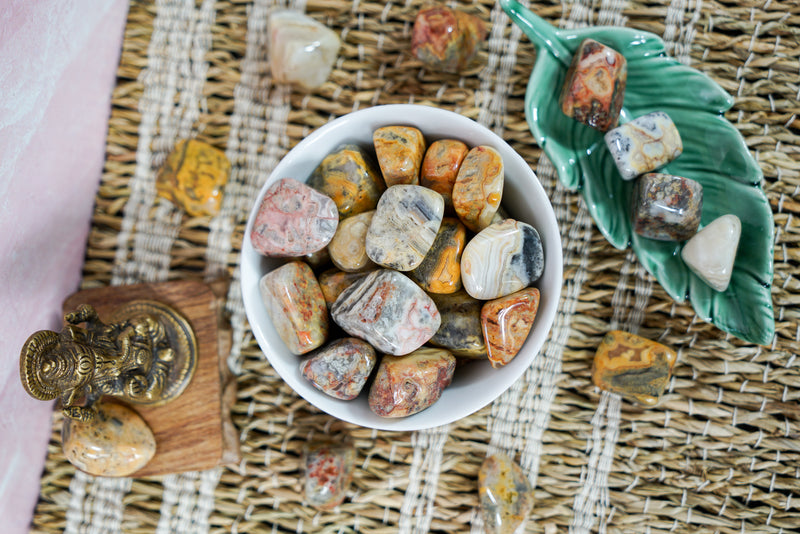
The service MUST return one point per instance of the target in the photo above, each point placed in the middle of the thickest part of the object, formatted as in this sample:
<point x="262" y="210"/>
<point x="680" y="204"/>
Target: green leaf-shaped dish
<point x="714" y="154"/>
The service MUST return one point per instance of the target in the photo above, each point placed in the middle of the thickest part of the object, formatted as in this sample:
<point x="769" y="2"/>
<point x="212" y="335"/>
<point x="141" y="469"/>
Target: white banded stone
<point x="711" y="252"/>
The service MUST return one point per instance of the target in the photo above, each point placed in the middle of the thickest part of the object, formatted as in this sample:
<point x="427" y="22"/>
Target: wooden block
<point x="193" y="432"/>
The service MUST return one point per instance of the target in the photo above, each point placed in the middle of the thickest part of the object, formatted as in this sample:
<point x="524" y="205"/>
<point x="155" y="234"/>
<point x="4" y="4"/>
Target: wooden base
<point x="193" y="432"/>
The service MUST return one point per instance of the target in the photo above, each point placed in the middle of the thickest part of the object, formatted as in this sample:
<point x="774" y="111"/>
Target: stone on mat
<point x="302" y="51"/>
<point x="400" y="150"/>
<point x="460" y="331"/>
<point x="328" y="472"/>
<point x="446" y="39"/>
<point x="505" y="494"/>
<point x="440" y="270"/>
<point x="341" y="368"/>
<point x="351" y="178"/>
<point x="711" y="252"/>
<point x="506" y="323"/>
<point x="348" y="249"/>
<point x="644" y="144"/>
<point x="440" y="168"/>
<point x="666" y="207"/>
<point x="333" y="282"/>
<point x="479" y="187"/>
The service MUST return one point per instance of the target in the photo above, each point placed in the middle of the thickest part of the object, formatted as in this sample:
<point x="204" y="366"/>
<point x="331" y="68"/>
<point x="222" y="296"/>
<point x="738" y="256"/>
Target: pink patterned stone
<point x="293" y="220"/>
<point x="328" y="472"/>
<point x="341" y="368"/>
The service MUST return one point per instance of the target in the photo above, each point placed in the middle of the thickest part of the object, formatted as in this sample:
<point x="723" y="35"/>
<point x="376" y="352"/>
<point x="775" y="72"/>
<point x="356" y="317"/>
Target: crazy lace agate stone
<point x="341" y="368"/>
<point x="505" y="494"/>
<point x="302" y="51"/>
<point x="328" y="472"/>
<point x="504" y="258"/>
<point x="446" y="39"/>
<point x="666" y="207"/>
<point x="389" y="311"/>
<point x="633" y="366"/>
<point x="333" y="281"/>
<point x="594" y="87"/>
<point x="440" y="270"/>
<point x="506" y="323"/>
<point x="479" y="187"/>
<point x="116" y="443"/>
<point x="644" y="144"/>
<point x="404" y="226"/>
<point x="400" y="150"/>
<point x="460" y="331"/>
<point x="350" y="177"/>
<point x="440" y="168"/>
<point x="294" y="302"/>
<point x="293" y="220"/>
<point x="348" y="248"/>
<point x="405" y="385"/>
<point x="193" y="177"/>
<point x="711" y="252"/>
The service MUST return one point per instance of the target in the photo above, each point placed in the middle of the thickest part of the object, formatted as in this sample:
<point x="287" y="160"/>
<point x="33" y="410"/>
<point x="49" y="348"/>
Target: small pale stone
<point x="666" y="207"/>
<point x="341" y="368"/>
<point x="193" y="177"/>
<point x="348" y="247"/>
<point x="404" y="226"/>
<point x="504" y="258"/>
<point x="460" y="331"/>
<point x="400" y="150"/>
<point x="293" y="220"/>
<point x="505" y="494"/>
<point x="446" y="39"/>
<point x="405" y="385"/>
<point x="711" y="252"/>
<point x="350" y="178"/>
<point x="301" y="50"/>
<point x="479" y="187"/>
<point x="644" y="144"/>
<point x="333" y="282"/>
<point x="328" y="472"/>
<point x="440" y="168"/>
<point x="388" y="310"/>
<point x="294" y="302"/>
<point x="440" y="270"/>
<point x="506" y="323"/>
<point x="116" y="443"/>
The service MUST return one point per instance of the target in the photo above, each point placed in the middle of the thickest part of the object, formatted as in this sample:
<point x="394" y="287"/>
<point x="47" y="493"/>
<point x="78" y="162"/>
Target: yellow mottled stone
<point x="193" y="177"/>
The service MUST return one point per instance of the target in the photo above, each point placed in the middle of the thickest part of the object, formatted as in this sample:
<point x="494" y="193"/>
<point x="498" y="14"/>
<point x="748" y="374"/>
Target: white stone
<point x="301" y="50"/>
<point x="710" y="253"/>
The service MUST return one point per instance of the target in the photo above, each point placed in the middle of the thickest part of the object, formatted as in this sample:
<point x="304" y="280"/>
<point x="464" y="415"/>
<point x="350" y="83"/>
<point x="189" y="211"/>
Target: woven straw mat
<point x="719" y="454"/>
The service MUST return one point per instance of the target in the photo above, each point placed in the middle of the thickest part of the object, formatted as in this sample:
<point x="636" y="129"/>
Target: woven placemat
<point x="720" y="454"/>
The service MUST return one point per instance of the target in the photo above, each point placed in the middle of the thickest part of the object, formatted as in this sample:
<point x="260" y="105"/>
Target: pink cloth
<point x="58" y="62"/>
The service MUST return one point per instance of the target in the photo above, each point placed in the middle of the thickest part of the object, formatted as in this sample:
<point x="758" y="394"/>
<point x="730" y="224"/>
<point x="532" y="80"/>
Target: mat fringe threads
<point x="720" y="454"/>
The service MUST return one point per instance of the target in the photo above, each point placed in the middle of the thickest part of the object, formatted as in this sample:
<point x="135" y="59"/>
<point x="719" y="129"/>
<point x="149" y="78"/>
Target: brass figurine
<point x="146" y="354"/>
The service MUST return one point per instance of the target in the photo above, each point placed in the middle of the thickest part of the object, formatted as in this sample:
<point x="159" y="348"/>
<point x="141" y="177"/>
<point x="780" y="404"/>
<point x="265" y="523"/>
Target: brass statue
<point x="146" y="354"/>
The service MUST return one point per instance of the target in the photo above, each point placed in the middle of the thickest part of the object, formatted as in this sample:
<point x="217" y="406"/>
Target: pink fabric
<point x="58" y="62"/>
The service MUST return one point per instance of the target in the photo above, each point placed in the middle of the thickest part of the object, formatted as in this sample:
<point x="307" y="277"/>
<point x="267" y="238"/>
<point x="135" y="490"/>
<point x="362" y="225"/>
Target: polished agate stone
<point x="341" y="368"/>
<point x="505" y="494"/>
<point x="404" y="226"/>
<point x="440" y="168"/>
<point x="644" y="144"/>
<point x="328" y="472"/>
<point x="294" y="302"/>
<point x="594" y="87"/>
<point x="633" y="366"/>
<point x="302" y="51"/>
<point x="116" y="443"/>
<point x="388" y="310"/>
<point x="711" y="252"/>
<point x="293" y="220"/>
<point x="666" y="207"/>
<point x="506" y="323"/>
<point x="460" y="331"/>
<point x="504" y="258"/>
<point x="348" y="248"/>
<point x="405" y="385"/>
<point x="351" y="178"/>
<point x="400" y="150"/>
<point x="333" y="281"/>
<point x="446" y="39"/>
<point x="440" y="270"/>
<point x="318" y="259"/>
<point x="193" y="177"/>
<point x="479" y="187"/>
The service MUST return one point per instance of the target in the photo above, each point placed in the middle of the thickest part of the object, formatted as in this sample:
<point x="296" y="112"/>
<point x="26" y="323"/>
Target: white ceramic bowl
<point x="474" y="385"/>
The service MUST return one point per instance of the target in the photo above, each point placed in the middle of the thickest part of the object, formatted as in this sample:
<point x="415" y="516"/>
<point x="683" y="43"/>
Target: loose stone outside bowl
<point x="474" y="385"/>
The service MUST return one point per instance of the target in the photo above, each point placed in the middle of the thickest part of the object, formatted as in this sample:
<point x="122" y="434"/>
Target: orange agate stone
<point x="440" y="168"/>
<point x="440" y="270"/>
<point x="193" y="177"/>
<point x="506" y="323"/>
<point x="399" y="150"/>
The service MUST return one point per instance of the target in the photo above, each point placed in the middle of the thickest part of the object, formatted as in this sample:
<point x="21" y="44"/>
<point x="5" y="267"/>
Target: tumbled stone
<point x="294" y="302"/>
<point x="400" y="150"/>
<point x="348" y="248"/>
<point x="193" y="177"/>
<point x="504" y="258"/>
<point x="440" y="168"/>
<point x="388" y="310"/>
<point x="116" y="443"/>
<point x="405" y="385"/>
<point x="446" y="39"/>
<point x="350" y="177"/>
<point x="594" y="87"/>
<point x="479" y="187"/>
<point x="460" y="331"/>
<point x="333" y="282"/>
<point x="440" y="270"/>
<point x="341" y="368"/>
<point x="318" y="259"/>
<point x="711" y="252"/>
<point x="506" y="323"/>
<point x="644" y="144"/>
<point x="666" y="207"/>
<point x="328" y="472"/>
<point x="633" y="366"/>
<point x="293" y="220"/>
<point x="505" y="494"/>
<point x="302" y="51"/>
<point x="404" y="226"/>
